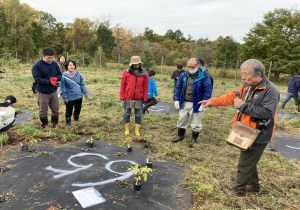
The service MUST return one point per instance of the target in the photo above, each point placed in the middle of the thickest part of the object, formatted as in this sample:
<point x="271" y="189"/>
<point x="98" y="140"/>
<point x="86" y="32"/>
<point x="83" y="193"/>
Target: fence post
<point x="269" y="73"/>
<point x="236" y="69"/>
<point x="161" y="64"/>
<point x="100" y="59"/>
<point x="83" y="60"/>
<point x="216" y="69"/>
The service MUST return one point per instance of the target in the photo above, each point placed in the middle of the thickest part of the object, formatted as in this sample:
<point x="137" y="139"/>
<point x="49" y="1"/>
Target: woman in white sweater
<point x="7" y="113"/>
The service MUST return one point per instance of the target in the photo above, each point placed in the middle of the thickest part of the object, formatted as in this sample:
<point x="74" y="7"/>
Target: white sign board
<point x="88" y="197"/>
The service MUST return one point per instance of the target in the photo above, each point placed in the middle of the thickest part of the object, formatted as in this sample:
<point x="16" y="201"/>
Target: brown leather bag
<point x="242" y="136"/>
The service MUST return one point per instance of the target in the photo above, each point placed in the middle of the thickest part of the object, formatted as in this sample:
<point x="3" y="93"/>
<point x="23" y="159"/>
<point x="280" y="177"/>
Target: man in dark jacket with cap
<point x="176" y="74"/>
<point x="47" y="75"/>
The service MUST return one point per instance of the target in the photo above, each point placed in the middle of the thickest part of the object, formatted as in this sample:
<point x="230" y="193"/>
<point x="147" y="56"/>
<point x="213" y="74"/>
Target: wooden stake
<point x="161" y="64"/>
<point x="269" y="73"/>
<point x="236" y="69"/>
<point x="100" y="59"/>
<point x="83" y="60"/>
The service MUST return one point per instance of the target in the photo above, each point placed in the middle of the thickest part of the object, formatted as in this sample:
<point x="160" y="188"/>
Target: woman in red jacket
<point x="133" y="91"/>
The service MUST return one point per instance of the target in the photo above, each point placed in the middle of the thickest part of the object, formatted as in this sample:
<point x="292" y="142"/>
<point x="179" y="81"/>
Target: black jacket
<point x="262" y="106"/>
<point x="176" y="74"/>
<point x="41" y="72"/>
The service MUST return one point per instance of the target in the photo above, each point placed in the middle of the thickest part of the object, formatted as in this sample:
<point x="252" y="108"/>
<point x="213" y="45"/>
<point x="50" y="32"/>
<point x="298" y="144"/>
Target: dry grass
<point x="210" y="166"/>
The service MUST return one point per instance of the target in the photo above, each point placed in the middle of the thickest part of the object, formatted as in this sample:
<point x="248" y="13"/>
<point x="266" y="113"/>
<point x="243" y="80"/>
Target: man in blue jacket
<point x="293" y="89"/>
<point x="47" y="75"/>
<point x="193" y="86"/>
<point x="152" y="92"/>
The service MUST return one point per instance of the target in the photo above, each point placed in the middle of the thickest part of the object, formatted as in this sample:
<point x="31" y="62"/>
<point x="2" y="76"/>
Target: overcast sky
<point x="199" y="18"/>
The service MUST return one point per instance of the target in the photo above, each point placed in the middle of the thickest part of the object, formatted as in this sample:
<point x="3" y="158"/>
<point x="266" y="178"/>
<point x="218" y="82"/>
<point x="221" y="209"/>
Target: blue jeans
<point x="138" y="116"/>
<point x="289" y="96"/>
<point x="150" y="102"/>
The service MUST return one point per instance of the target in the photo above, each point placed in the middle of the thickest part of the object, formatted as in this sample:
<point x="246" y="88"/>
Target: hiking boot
<point x="180" y="135"/>
<point x="233" y="192"/>
<point x="253" y="188"/>
<point x="56" y="126"/>
<point x="44" y="123"/>
<point x="45" y="126"/>
<point x="54" y="121"/>
<point x="194" y="139"/>
<point x="144" y="111"/>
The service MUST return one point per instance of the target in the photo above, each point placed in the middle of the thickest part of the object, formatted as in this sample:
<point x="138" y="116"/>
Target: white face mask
<point x="193" y="71"/>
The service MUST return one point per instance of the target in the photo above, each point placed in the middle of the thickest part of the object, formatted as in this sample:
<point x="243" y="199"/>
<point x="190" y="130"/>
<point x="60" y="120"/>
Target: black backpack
<point x="34" y="87"/>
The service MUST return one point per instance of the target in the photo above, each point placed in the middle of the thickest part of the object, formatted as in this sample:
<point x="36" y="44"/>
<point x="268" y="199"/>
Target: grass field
<point x="210" y="166"/>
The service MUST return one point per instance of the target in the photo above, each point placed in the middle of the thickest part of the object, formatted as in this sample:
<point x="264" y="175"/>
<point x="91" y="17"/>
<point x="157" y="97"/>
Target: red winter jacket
<point x="134" y="86"/>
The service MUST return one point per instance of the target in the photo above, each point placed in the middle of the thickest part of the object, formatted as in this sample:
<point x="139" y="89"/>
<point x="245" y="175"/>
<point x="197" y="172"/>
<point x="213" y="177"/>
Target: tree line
<point x="24" y="31"/>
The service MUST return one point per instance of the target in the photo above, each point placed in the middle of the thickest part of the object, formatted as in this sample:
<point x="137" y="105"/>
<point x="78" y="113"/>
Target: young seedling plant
<point x="140" y="174"/>
<point x="90" y="142"/>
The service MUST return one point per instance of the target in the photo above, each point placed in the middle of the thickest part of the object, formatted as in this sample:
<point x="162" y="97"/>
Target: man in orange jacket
<point x="258" y="111"/>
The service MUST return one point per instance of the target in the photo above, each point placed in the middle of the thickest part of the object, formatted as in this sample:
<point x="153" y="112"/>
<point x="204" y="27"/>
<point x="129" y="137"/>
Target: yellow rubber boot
<point x="137" y="128"/>
<point x="127" y="129"/>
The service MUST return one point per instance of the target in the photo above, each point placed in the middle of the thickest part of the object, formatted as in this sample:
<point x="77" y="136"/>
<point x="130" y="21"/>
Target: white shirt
<point x="7" y="116"/>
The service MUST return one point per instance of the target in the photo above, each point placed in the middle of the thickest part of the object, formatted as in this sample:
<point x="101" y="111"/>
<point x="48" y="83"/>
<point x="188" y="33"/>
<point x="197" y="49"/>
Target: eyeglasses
<point x="192" y="67"/>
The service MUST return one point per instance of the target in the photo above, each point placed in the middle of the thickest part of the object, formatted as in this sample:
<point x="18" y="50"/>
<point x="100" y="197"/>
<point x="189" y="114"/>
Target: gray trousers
<point x="187" y="116"/>
<point x="48" y="100"/>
